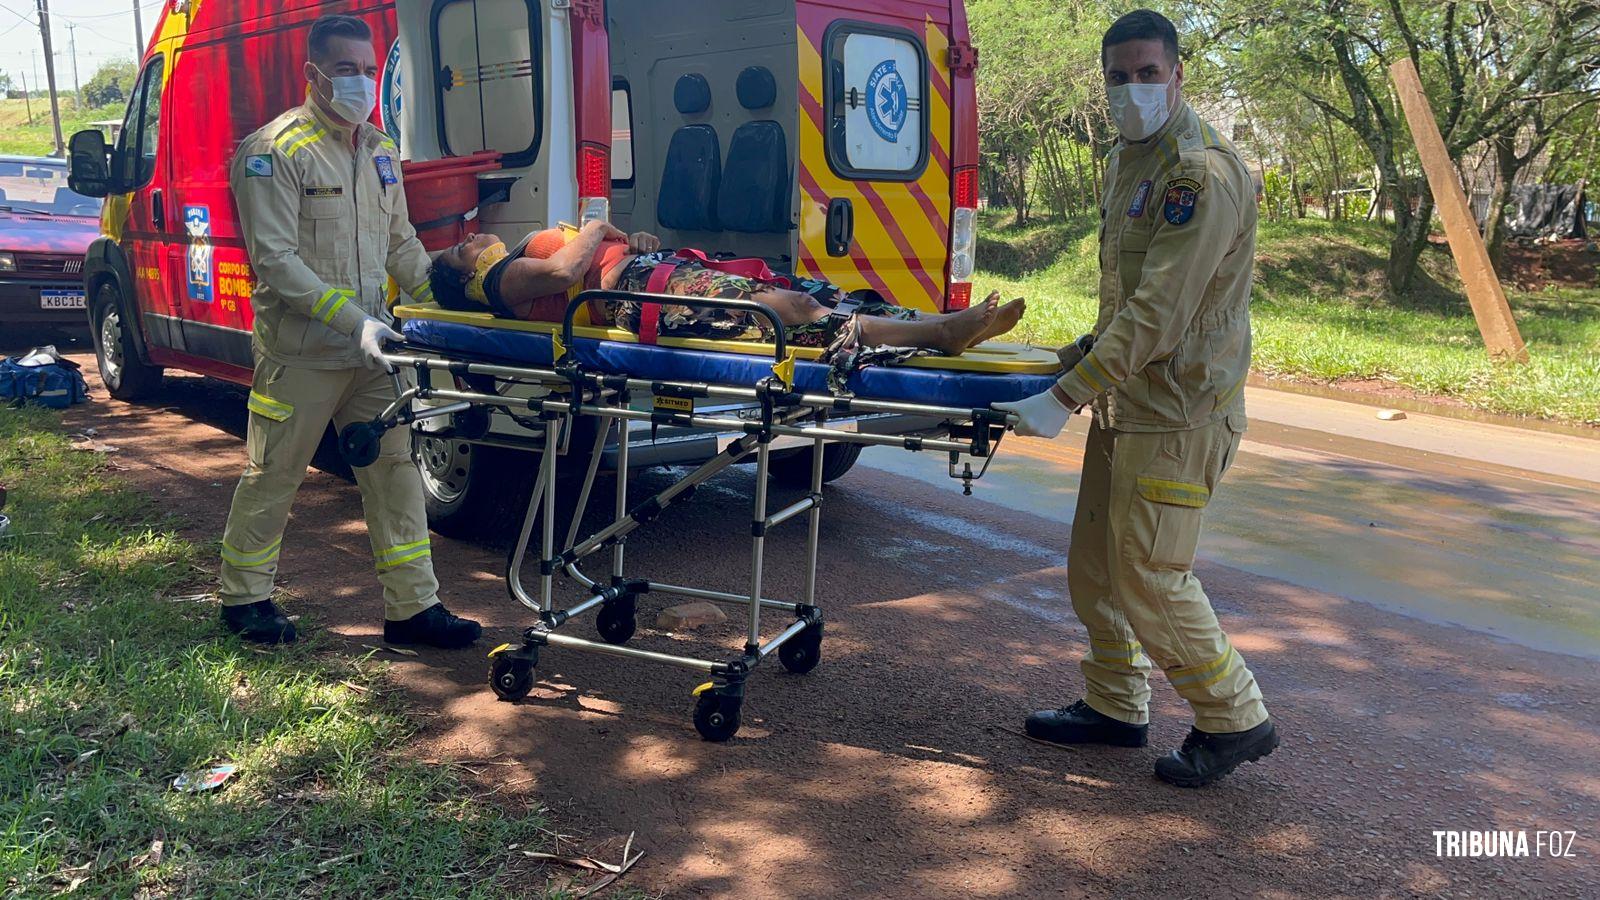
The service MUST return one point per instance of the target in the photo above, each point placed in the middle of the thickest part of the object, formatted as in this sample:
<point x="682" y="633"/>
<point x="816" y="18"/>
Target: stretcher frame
<point x="571" y="392"/>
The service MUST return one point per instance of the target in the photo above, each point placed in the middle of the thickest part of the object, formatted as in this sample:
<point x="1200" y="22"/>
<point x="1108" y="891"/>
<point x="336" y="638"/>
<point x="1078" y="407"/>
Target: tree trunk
<point x="1410" y="237"/>
<point x="1507" y="165"/>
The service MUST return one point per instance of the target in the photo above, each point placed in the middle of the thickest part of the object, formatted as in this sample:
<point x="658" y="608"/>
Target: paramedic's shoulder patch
<point x="258" y="165"/>
<point x="1178" y="206"/>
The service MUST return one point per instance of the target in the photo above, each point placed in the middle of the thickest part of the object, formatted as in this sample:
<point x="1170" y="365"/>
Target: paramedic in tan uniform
<point x="1165" y="380"/>
<point x="324" y="218"/>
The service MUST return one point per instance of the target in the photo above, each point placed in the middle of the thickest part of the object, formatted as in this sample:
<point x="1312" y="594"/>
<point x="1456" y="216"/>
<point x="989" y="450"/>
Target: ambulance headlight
<point x="8" y="263"/>
<point x="963" y="243"/>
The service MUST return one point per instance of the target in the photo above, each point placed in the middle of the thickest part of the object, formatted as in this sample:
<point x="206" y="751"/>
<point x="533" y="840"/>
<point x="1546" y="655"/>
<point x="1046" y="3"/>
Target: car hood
<point x="47" y="234"/>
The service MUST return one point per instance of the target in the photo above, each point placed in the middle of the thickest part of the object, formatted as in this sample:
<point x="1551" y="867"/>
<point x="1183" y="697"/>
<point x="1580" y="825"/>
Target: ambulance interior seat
<point x="692" y="175"/>
<point x="755" y="179"/>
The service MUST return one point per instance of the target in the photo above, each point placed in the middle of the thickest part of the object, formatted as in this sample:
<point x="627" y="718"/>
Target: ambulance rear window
<point x="876" y="84"/>
<point x="489" y="64"/>
<point x="621" y="134"/>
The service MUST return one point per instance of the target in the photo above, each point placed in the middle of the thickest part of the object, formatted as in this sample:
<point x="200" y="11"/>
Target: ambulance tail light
<point x="963" y="238"/>
<point x="594" y="182"/>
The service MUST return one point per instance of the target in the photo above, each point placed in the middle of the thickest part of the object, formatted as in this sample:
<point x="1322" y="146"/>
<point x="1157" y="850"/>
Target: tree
<point x="5" y="84"/>
<point x="111" y="83"/>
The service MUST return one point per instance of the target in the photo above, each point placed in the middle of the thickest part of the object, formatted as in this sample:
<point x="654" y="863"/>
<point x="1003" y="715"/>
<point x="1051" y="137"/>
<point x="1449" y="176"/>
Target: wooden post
<point x="1488" y="299"/>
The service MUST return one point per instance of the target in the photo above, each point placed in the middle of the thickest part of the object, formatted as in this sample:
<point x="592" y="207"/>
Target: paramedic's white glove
<point x="371" y="335"/>
<point x="1042" y="415"/>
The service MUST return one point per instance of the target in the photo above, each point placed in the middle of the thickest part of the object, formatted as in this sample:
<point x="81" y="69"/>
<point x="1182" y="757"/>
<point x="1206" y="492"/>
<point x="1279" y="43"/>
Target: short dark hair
<point x="1140" y="25"/>
<point x="327" y="28"/>
<point x="449" y="285"/>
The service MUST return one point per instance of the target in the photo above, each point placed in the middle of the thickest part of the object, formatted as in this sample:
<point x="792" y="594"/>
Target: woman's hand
<point x="643" y="242"/>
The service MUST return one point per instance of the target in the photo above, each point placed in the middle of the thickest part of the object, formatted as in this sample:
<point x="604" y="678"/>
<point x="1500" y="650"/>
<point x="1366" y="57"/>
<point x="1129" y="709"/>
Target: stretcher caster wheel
<point x="716" y="716"/>
<point x="511" y="677"/>
<point x="616" y="622"/>
<point x="801" y="653"/>
<point x="359" y="443"/>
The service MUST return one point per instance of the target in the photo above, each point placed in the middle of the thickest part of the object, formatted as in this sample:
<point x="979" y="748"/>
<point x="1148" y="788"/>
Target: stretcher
<point x="548" y="377"/>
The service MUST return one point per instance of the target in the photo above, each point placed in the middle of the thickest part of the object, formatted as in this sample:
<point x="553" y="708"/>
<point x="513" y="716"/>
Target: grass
<point x="1320" y="312"/>
<point x="17" y="136"/>
<point x="112" y="683"/>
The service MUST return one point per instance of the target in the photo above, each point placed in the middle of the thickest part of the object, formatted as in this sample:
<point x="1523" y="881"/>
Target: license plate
<point x="61" y="299"/>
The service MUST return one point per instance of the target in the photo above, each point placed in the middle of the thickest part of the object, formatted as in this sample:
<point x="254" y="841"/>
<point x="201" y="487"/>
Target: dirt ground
<point x="895" y="769"/>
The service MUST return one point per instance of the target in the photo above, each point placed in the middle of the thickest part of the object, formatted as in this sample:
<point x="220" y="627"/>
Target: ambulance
<point x="837" y="139"/>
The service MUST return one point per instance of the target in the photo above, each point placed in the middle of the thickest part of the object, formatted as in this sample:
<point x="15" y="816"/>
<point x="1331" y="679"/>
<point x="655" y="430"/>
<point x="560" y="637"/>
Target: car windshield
<point x="42" y="187"/>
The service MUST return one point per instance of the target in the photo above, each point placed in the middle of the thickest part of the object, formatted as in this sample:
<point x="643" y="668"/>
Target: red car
<point x="45" y="230"/>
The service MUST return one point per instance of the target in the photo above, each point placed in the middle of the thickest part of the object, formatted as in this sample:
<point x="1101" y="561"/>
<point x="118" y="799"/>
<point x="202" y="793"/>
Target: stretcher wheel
<point x="801" y="653"/>
<point x="359" y="443"/>
<point x="616" y="621"/>
<point x="716" y="716"/>
<point x="510" y="677"/>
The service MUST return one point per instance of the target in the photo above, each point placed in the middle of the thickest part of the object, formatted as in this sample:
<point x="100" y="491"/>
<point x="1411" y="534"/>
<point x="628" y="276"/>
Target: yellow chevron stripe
<point x="309" y="139"/>
<point x="288" y="137"/>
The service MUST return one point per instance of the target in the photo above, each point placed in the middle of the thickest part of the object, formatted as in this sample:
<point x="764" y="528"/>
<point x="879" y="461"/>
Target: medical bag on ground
<point x="42" y="376"/>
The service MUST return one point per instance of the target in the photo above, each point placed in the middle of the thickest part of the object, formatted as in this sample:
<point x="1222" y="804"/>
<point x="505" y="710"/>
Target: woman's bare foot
<point x="957" y="331"/>
<point x="1005" y="319"/>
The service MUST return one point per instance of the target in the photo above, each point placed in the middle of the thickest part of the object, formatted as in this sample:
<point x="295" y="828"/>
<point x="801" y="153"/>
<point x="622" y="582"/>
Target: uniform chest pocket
<point x="323" y="226"/>
<point x="1132" y="245"/>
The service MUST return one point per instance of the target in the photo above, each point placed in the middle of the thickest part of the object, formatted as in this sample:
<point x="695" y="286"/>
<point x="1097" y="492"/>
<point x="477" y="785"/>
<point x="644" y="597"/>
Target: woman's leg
<point x="949" y="334"/>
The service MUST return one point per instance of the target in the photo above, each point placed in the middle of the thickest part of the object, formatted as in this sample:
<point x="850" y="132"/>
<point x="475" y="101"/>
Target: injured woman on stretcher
<point x="535" y="279"/>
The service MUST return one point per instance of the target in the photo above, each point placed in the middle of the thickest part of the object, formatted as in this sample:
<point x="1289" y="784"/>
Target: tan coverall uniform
<point x="1166" y="378"/>
<point x="324" y="219"/>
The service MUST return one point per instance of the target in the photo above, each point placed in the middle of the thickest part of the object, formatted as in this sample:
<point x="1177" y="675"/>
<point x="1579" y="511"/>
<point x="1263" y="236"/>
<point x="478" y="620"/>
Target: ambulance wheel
<point x="616" y="622"/>
<point x="359" y="443"/>
<point x="472" y="490"/>
<point x="716" y="716"/>
<point x="126" y="377"/>
<point x="510" y="677"/>
<point x="793" y="469"/>
<point x="801" y="653"/>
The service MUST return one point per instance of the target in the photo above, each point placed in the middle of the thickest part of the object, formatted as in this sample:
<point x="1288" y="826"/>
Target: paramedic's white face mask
<point x="1139" y="110"/>
<point x="354" y="96"/>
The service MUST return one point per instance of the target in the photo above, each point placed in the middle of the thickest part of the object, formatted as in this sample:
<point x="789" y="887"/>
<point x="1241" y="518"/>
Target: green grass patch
<point x="111" y="684"/>
<point x="1320" y="311"/>
<point x="19" y="135"/>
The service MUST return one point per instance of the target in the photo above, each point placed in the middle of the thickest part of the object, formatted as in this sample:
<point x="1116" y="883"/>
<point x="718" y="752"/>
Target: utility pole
<point x="26" y="97"/>
<point x="72" y="44"/>
<point x="138" y="34"/>
<point x="50" y="75"/>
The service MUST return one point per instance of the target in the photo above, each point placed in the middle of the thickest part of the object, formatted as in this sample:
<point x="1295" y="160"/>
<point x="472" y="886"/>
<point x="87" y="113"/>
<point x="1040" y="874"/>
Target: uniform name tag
<point x="1140" y="198"/>
<point x="385" y="169"/>
<point x="335" y="191"/>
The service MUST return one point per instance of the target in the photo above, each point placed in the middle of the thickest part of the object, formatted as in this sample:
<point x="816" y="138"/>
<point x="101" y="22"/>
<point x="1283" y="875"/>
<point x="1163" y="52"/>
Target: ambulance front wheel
<point x="510" y="677"/>
<point x="716" y="716"/>
<point x="125" y="375"/>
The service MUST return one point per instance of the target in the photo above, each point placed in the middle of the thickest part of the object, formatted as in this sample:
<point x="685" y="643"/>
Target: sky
<point x="104" y="33"/>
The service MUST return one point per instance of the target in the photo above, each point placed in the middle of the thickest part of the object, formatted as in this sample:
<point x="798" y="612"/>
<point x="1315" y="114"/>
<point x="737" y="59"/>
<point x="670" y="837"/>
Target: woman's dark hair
<point x="450" y="286"/>
<point x="1141" y="25"/>
<point x="327" y="28"/>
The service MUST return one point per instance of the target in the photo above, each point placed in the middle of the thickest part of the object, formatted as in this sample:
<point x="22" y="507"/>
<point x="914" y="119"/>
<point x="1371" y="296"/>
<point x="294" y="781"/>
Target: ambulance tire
<point x="125" y="375"/>
<point x="793" y="469"/>
<point x="472" y="490"/>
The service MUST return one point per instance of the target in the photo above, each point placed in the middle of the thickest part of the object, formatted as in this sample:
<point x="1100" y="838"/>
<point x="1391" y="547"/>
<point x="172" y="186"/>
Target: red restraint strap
<point x="650" y="313"/>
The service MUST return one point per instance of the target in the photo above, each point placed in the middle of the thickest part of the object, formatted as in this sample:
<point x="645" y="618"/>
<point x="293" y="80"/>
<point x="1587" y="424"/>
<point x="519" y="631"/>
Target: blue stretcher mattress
<point x="964" y="390"/>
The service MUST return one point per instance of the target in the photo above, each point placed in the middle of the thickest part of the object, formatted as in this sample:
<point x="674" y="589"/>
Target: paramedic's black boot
<point x="1082" y="724"/>
<point x="1205" y="757"/>
<point x="262" y="622"/>
<point x="434" y="626"/>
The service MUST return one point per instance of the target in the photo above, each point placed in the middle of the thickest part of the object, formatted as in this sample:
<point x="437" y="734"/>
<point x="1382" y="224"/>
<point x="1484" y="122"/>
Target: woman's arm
<point x="528" y="278"/>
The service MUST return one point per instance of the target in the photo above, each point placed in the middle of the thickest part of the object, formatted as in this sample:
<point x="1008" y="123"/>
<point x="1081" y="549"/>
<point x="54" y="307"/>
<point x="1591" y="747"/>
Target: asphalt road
<point x="1418" y="599"/>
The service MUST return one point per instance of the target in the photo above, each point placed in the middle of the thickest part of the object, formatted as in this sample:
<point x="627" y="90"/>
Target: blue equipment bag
<point x="42" y="376"/>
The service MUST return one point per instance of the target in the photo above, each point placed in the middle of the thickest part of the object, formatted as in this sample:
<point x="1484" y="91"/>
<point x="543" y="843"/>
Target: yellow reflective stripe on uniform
<point x="423" y="294"/>
<point x="1176" y="493"/>
<point x="1114" y="651"/>
<point x="266" y="406"/>
<point x="403" y="553"/>
<point x="1100" y="370"/>
<point x="328" y="307"/>
<point x="311" y="138"/>
<point x="288" y="137"/>
<point x="1231" y="393"/>
<point x="1206" y="675"/>
<point x="238" y="557"/>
